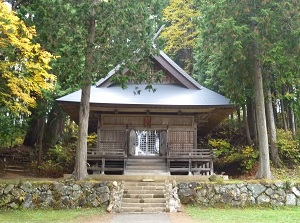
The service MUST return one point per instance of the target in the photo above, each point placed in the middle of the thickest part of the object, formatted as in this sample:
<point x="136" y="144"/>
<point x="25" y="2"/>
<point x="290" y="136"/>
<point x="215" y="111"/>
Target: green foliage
<point x="221" y="146"/>
<point x="181" y="33"/>
<point x="24" y="65"/>
<point x="286" y="174"/>
<point x="249" y="158"/>
<point x="92" y="140"/>
<point x="244" y="158"/>
<point x="58" y="160"/>
<point x="49" y="168"/>
<point x="12" y="128"/>
<point x="288" y="148"/>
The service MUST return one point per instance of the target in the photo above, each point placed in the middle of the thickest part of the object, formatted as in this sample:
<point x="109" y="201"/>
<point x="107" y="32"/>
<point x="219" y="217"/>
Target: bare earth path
<point x="180" y="217"/>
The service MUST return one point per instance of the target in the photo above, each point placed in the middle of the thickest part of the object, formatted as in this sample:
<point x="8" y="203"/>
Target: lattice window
<point x="113" y="135"/>
<point x="113" y="141"/>
<point x="147" y="142"/>
<point x="181" y="142"/>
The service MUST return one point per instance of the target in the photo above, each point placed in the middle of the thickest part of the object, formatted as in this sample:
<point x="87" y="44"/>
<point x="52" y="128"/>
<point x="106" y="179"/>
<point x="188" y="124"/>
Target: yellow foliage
<point x="181" y="14"/>
<point x="24" y="65"/>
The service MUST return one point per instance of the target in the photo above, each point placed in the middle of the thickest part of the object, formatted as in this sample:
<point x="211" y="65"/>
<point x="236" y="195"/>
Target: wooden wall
<point x="147" y="121"/>
<point x="181" y="129"/>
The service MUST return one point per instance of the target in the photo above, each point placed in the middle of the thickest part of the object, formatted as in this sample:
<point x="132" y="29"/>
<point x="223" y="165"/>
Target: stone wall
<point x="70" y="194"/>
<point x="66" y="194"/>
<point x="240" y="195"/>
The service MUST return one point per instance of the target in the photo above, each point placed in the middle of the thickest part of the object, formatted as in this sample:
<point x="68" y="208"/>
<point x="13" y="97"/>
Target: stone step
<point x="146" y="160"/>
<point x="143" y="209"/>
<point x="131" y="166"/>
<point x="130" y="191"/>
<point x="157" y="173"/>
<point x="143" y="200"/>
<point x="143" y="205"/>
<point x="146" y="166"/>
<point x="141" y="171"/>
<point x="142" y="183"/>
<point x="143" y="195"/>
<point x="14" y="168"/>
<point x="144" y="187"/>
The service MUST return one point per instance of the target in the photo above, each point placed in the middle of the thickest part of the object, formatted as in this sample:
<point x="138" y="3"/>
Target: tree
<point x="243" y="43"/>
<point x="24" y="65"/>
<point x="181" y="33"/>
<point x="93" y="38"/>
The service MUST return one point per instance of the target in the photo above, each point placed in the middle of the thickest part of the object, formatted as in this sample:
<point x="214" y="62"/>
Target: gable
<point x="173" y="74"/>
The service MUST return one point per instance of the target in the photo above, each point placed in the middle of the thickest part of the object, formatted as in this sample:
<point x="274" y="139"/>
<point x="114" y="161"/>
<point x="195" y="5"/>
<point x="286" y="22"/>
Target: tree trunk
<point x="55" y="126"/>
<point x="272" y="130"/>
<point x="254" y="124"/>
<point x="291" y="114"/>
<point x="264" y="159"/>
<point x="80" y="171"/>
<point x="283" y="113"/>
<point x="292" y="120"/>
<point x="251" y="120"/>
<point x="238" y="112"/>
<point x="41" y="136"/>
<point x="32" y="134"/>
<point x="249" y="140"/>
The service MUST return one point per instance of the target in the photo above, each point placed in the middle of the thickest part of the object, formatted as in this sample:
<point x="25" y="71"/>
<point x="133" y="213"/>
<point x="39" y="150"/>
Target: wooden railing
<point x="107" y="150"/>
<point x="193" y="153"/>
<point x="109" y="156"/>
<point x="189" y="160"/>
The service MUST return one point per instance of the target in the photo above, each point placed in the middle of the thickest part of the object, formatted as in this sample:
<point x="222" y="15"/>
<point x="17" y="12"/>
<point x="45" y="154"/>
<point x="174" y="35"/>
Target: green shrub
<point x="51" y="169"/>
<point x="249" y="158"/>
<point x="92" y="140"/>
<point x="58" y="160"/>
<point x="241" y="158"/>
<point x="288" y="148"/>
<point x="221" y="146"/>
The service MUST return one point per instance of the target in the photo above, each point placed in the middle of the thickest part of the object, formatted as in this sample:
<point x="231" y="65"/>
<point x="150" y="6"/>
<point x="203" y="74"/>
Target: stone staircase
<point x="144" y="197"/>
<point x="15" y="168"/>
<point x="146" y="166"/>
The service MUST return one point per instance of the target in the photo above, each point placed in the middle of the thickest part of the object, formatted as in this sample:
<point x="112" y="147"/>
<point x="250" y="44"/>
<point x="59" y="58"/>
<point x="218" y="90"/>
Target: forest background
<point x="246" y="50"/>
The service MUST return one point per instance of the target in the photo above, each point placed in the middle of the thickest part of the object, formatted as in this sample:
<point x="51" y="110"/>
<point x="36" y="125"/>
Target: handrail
<point x="106" y="149"/>
<point x="195" y="153"/>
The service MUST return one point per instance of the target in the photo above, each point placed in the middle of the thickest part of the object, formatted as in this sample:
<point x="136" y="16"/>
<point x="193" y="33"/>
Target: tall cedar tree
<point x="91" y="39"/>
<point x="241" y="44"/>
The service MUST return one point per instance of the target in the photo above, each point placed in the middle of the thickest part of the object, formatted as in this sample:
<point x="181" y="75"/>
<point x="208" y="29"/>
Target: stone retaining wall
<point x="67" y="194"/>
<point x="239" y="195"/>
<point x="70" y="194"/>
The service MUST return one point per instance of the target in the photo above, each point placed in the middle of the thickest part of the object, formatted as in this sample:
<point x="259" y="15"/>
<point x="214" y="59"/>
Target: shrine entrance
<point x="146" y="142"/>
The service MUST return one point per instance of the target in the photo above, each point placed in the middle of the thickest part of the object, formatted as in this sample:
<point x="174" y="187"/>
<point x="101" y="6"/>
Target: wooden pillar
<point x="211" y="167"/>
<point x="167" y="150"/>
<point x="103" y="166"/>
<point x="190" y="166"/>
<point x="126" y="146"/>
<point x="99" y="132"/>
<point x="195" y="137"/>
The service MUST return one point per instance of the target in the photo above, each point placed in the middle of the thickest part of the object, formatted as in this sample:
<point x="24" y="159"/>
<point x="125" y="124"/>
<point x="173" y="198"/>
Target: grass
<point x="47" y="216"/>
<point x="247" y="215"/>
